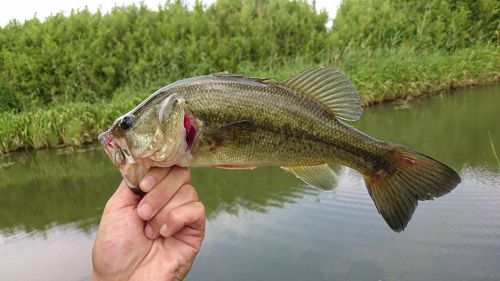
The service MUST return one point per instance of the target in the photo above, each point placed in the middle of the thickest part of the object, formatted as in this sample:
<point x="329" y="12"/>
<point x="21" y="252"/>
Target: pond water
<point x="266" y="225"/>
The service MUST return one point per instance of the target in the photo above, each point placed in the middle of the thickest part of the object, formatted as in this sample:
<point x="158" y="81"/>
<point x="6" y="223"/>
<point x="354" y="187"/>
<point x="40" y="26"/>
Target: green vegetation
<point x="493" y="149"/>
<point x="65" y="79"/>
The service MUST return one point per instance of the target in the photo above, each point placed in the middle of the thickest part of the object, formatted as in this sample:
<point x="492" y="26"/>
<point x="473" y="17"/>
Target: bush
<point x="67" y="78"/>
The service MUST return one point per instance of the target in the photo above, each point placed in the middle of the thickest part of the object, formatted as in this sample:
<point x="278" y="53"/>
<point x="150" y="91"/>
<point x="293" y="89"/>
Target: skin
<point x="156" y="237"/>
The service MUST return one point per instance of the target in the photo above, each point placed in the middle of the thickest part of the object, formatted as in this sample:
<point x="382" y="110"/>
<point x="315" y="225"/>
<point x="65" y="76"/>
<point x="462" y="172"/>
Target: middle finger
<point x="186" y="194"/>
<point x="159" y="196"/>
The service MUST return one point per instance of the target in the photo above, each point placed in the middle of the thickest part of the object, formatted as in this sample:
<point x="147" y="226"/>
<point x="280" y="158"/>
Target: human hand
<point x="155" y="237"/>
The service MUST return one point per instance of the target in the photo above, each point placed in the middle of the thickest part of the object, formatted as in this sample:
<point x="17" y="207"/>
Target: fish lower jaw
<point x="177" y="154"/>
<point x="181" y="161"/>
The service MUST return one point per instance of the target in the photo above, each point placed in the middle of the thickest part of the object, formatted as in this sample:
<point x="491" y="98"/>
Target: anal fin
<point x="319" y="176"/>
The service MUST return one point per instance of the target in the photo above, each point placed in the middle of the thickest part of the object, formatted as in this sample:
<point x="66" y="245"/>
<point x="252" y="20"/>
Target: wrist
<point x="99" y="277"/>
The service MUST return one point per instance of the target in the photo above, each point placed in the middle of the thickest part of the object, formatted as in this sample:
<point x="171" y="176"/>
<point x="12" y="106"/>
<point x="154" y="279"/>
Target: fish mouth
<point x="114" y="152"/>
<point x="167" y="154"/>
<point x="119" y="154"/>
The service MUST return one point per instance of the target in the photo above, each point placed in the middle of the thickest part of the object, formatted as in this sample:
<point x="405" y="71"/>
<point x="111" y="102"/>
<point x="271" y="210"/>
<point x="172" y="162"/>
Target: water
<point x="265" y="225"/>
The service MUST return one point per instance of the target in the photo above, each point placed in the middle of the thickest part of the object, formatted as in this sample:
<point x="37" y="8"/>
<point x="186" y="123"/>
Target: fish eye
<point x="126" y="122"/>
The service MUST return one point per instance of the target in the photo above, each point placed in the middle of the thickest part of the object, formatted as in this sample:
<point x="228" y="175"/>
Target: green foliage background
<point x="64" y="79"/>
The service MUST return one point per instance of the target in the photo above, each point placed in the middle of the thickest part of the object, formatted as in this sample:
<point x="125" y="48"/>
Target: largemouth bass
<point x="231" y="121"/>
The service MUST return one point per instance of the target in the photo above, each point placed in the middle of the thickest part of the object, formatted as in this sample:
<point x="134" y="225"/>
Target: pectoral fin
<point x="236" y="132"/>
<point x="320" y="176"/>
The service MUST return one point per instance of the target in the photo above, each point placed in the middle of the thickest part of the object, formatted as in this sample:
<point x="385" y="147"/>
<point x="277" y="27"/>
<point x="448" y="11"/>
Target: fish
<point x="232" y="121"/>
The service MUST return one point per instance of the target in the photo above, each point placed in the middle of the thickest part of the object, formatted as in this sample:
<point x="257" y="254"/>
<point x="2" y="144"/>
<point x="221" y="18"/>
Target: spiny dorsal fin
<point x="331" y="88"/>
<point x="226" y="74"/>
<point x="319" y="176"/>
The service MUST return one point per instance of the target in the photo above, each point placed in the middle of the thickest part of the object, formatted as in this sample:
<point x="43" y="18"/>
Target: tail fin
<point x="407" y="177"/>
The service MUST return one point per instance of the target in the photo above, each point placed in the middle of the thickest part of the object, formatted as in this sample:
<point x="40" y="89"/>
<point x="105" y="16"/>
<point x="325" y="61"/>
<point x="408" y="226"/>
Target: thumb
<point x="123" y="197"/>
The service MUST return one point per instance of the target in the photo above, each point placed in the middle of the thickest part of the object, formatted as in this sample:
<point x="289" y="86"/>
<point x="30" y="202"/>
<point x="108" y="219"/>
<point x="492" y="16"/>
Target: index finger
<point x="121" y="198"/>
<point x="153" y="176"/>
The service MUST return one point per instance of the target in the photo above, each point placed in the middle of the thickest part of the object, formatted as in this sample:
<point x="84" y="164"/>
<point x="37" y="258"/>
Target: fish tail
<point x="404" y="178"/>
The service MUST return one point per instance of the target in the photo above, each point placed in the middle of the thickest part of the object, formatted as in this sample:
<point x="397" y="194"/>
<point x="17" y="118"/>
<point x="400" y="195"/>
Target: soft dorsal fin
<point x="331" y="88"/>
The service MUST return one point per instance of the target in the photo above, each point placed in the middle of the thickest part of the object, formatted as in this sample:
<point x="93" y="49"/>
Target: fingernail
<point x="145" y="211"/>
<point x="148" y="230"/>
<point x="164" y="230"/>
<point x="147" y="183"/>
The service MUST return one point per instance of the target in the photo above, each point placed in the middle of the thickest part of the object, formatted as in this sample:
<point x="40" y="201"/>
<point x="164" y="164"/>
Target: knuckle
<point x="155" y="198"/>
<point x="162" y="172"/>
<point x="189" y="193"/>
<point x="159" y="219"/>
<point x="199" y="208"/>
<point x="175" y="215"/>
<point x="153" y="172"/>
<point x="108" y="207"/>
<point x="157" y="173"/>
<point x="162" y="195"/>
<point x="184" y="174"/>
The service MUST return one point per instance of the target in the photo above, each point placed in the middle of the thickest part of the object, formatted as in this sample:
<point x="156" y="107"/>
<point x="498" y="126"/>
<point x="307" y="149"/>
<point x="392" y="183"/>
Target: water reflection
<point x="340" y="236"/>
<point x="54" y="187"/>
<point x="57" y="187"/>
<point x="57" y="253"/>
<point x="263" y="224"/>
<point x="452" y="128"/>
<point x="231" y="190"/>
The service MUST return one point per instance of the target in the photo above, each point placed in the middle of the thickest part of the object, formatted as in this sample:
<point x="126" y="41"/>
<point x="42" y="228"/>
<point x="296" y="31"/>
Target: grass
<point x="405" y="74"/>
<point x="63" y="125"/>
<point x="380" y="76"/>
<point x="494" y="151"/>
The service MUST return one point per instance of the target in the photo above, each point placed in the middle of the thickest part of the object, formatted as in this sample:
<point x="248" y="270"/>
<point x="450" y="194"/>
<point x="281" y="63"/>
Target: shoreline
<point x="421" y="95"/>
<point x="87" y="142"/>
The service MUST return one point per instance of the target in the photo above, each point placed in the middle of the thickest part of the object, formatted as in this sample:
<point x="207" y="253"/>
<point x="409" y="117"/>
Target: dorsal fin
<point x="226" y="74"/>
<point x="331" y="88"/>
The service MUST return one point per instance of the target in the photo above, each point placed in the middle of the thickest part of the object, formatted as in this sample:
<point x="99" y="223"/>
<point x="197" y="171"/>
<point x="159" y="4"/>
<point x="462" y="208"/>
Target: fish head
<point x="153" y="135"/>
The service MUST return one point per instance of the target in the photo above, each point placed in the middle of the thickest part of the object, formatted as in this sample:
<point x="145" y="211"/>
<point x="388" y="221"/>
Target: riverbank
<point x="380" y="76"/>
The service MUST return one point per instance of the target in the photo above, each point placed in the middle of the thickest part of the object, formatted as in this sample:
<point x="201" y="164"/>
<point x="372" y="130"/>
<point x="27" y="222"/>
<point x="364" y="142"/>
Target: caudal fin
<point x="406" y="178"/>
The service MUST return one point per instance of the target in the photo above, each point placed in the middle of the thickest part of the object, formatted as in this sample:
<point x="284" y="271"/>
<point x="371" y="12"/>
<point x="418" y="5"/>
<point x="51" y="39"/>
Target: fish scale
<point x="243" y="122"/>
<point x="216" y="104"/>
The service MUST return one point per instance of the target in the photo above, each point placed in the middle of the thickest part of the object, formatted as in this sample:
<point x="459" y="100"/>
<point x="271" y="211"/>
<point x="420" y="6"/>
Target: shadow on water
<point x="51" y="202"/>
<point x="231" y="190"/>
<point x="55" y="187"/>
